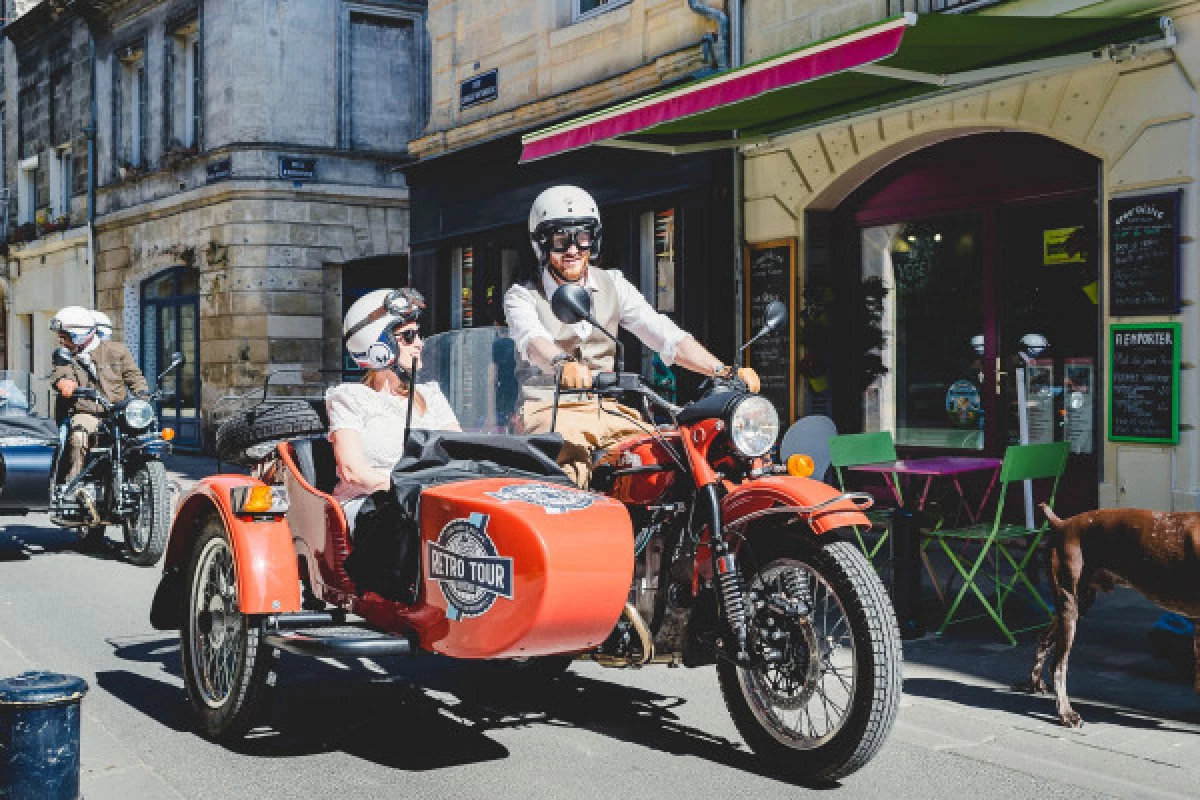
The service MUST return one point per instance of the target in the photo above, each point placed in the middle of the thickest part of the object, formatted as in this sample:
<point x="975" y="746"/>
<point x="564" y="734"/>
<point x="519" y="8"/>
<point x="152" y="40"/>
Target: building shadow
<point x="20" y="542"/>
<point x="429" y="712"/>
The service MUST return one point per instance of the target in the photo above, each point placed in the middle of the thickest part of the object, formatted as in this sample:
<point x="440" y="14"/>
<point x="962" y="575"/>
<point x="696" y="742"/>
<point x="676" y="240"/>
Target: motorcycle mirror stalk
<point x="774" y="316"/>
<point x="176" y="360"/>
<point x="572" y="303"/>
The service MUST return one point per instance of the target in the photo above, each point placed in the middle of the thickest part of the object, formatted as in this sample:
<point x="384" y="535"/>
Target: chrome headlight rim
<point x="753" y="426"/>
<point x="138" y="414"/>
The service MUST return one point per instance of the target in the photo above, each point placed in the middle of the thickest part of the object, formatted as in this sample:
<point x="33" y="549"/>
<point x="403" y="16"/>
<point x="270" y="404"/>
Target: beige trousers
<point x="82" y="428"/>
<point x="585" y="429"/>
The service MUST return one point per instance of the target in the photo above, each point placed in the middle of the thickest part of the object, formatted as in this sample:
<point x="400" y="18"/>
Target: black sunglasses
<point x="409" y="336"/>
<point x="560" y="240"/>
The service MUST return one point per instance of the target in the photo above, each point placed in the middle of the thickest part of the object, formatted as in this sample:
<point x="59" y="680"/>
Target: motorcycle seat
<point x="315" y="462"/>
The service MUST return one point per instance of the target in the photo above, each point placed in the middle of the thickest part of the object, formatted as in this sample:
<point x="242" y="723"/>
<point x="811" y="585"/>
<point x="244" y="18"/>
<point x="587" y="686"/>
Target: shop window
<point x="182" y="91"/>
<point x="586" y="9"/>
<point x="130" y="110"/>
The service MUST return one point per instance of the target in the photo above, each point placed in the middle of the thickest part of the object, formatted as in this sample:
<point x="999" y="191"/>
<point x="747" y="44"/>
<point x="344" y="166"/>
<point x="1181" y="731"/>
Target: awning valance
<point x="891" y="61"/>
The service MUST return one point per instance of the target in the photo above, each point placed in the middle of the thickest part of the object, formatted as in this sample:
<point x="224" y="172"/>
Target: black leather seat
<point x="314" y="459"/>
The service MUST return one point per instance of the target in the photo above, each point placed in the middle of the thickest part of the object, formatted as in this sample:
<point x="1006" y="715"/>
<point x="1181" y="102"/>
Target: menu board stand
<point x="771" y="275"/>
<point x="1143" y="389"/>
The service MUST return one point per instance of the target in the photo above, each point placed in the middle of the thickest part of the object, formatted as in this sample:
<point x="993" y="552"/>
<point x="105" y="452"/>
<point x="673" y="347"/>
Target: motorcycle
<point x="123" y="480"/>
<point x="692" y="549"/>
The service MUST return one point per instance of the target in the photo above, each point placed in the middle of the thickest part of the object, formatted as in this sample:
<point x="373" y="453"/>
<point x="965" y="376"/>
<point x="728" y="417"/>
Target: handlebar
<point x="614" y="384"/>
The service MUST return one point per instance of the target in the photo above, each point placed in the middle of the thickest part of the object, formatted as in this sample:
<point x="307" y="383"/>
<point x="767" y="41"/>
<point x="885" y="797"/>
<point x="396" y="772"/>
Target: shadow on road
<point x="22" y="542"/>
<point x="427" y="713"/>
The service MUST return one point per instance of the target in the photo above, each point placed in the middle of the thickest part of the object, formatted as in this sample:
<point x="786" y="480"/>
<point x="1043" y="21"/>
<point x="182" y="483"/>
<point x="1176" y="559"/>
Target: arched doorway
<point x="171" y="323"/>
<point x="956" y="269"/>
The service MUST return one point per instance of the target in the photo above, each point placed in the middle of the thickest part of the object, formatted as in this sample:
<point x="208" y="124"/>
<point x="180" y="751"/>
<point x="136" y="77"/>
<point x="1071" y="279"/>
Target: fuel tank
<point x="522" y="568"/>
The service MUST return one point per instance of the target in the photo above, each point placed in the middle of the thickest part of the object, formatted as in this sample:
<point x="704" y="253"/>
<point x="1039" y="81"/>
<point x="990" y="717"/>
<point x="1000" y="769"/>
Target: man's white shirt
<point x="655" y="330"/>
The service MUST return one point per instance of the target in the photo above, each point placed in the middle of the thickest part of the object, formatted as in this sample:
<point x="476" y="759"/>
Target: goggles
<point x="560" y="240"/>
<point x="79" y="336"/>
<point x="404" y="304"/>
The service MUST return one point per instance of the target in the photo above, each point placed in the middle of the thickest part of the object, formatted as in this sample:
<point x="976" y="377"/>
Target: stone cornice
<point x="652" y="76"/>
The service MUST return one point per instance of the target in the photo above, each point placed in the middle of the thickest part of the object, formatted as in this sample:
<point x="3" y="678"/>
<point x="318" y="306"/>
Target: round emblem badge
<point x="467" y="567"/>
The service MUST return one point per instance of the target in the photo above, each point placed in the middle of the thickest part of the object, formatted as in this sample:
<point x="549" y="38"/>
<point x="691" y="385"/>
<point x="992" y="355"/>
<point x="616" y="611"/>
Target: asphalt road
<point x="436" y="728"/>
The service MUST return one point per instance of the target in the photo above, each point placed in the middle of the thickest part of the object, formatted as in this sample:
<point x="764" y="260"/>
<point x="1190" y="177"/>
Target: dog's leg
<point x="1036" y="684"/>
<point x="1068" y="620"/>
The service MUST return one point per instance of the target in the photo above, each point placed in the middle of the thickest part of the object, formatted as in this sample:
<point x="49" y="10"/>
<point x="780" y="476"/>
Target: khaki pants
<point x="585" y="429"/>
<point x="82" y="427"/>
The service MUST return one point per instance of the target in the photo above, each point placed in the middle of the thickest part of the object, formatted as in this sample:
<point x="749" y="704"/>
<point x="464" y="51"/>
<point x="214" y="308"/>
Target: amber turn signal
<point x="800" y="465"/>
<point x="258" y="500"/>
<point x="168" y="434"/>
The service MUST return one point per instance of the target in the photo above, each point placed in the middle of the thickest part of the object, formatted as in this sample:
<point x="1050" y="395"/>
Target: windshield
<point x="16" y="399"/>
<point x="476" y="369"/>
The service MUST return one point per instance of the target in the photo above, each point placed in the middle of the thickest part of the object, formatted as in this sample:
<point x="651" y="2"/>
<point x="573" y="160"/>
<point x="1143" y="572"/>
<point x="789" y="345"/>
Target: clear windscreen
<point x="16" y="399"/>
<point x="476" y="369"/>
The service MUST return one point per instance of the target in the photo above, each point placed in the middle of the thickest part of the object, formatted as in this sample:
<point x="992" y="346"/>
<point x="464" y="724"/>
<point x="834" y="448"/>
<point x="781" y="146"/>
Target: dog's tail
<point x="1053" y="519"/>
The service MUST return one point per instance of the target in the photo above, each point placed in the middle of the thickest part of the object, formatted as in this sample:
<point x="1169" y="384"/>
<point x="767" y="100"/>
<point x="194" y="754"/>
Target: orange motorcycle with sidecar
<point x="692" y="549"/>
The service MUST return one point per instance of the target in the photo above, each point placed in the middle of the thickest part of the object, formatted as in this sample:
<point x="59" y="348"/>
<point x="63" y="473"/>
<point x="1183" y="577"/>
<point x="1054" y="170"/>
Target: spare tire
<point x="249" y="436"/>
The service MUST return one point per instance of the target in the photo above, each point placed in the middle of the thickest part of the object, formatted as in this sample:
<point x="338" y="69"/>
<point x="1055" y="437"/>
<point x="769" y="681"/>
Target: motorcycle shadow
<point x="23" y="542"/>
<point x="430" y="713"/>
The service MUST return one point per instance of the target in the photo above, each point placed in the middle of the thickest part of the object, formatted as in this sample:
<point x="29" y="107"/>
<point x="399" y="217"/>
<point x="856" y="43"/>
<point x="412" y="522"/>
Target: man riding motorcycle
<point x="107" y="366"/>
<point x="565" y="232"/>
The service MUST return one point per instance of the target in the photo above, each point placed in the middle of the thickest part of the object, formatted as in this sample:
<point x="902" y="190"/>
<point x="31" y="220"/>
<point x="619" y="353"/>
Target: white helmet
<point x="104" y="326"/>
<point x="559" y="207"/>
<point x="77" y="322"/>
<point x="370" y="322"/>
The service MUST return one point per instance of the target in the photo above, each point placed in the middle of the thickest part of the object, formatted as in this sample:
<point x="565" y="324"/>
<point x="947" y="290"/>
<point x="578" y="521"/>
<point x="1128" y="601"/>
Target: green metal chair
<point x="998" y="541"/>
<point x="856" y="449"/>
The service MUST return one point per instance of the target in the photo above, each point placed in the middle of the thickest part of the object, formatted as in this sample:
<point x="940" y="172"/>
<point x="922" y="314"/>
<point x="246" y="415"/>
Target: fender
<point x="783" y="492"/>
<point x="268" y="581"/>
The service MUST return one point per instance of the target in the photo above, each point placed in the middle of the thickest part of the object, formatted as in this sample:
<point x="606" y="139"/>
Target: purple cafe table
<point x="939" y="467"/>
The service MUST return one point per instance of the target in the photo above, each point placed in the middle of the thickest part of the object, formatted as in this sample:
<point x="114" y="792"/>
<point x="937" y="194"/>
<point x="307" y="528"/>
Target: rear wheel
<point x="146" y="530"/>
<point x="226" y="662"/>
<point x="825" y="689"/>
<point x="248" y="437"/>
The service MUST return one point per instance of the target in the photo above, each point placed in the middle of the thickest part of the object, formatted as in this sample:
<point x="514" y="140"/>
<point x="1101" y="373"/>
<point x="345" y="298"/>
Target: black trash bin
<point x="39" y="736"/>
<point x="906" y="572"/>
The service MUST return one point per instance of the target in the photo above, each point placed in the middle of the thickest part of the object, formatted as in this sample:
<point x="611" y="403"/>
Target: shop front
<point x="977" y="221"/>
<point x="666" y="226"/>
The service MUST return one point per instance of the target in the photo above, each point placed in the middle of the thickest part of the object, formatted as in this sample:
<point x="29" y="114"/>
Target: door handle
<point x="999" y="376"/>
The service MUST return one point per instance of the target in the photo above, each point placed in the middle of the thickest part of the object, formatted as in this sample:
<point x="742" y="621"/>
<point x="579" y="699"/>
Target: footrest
<point x="341" y="641"/>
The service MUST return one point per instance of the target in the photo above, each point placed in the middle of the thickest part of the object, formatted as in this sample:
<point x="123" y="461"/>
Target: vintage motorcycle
<point x="123" y="480"/>
<point x="692" y="550"/>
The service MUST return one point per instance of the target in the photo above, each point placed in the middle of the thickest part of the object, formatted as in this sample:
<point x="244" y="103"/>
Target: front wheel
<point x="146" y="529"/>
<point x="823" y="693"/>
<point x="226" y="660"/>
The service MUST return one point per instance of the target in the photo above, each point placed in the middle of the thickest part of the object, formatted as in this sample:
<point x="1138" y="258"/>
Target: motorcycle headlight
<point x="754" y="426"/>
<point x="138" y="414"/>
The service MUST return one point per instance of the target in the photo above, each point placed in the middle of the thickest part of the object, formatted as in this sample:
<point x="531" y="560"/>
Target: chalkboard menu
<point x="1144" y="264"/>
<point x="1143" y="397"/>
<point x="770" y="268"/>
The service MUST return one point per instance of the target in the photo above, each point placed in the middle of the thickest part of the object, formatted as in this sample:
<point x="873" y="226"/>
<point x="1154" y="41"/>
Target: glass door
<point x="170" y="324"/>
<point x="923" y="297"/>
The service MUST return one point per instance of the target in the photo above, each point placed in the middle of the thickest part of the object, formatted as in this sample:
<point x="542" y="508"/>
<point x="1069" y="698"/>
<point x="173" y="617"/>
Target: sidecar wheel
<point x="226" y="661"/>
<point x="146" y="532"/>
<point x="825" y="711"/>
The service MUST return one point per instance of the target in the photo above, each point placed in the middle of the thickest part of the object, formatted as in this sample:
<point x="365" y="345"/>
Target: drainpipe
<point x="722" y="49"/>
<point x="735" y="57"/>
<point x="90" y="132"/>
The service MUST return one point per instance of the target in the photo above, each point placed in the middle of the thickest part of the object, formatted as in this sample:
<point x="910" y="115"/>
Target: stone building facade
<point x="247" y="178"/>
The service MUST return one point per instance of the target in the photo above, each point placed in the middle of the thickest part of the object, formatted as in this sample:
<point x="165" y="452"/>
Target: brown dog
<point x="1154" y="552"/>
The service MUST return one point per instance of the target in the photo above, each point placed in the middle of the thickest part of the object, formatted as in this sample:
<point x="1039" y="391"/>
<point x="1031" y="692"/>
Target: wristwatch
<point x="561" y="359"/>
<point x="722" y="372"/>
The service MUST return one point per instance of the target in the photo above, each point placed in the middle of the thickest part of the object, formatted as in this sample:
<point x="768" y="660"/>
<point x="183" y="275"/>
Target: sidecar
<point x="28" y="445"/>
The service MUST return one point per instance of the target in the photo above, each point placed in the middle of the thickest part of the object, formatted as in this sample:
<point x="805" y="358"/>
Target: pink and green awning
<point x="888" y="62"/>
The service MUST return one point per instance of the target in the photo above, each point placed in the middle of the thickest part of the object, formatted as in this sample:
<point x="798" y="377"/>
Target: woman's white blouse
<point x="379" y="419"/>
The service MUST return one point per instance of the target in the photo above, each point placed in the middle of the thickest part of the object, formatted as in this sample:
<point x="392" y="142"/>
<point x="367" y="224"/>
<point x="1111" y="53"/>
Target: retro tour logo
<point x="468" y="569"/>
<point x="551" y="499"/>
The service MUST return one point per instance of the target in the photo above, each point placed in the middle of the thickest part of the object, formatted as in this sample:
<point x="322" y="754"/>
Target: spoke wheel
<point x="146" y="530"/>
<point x="226" y="664"/>
<point x="823" y="693"/>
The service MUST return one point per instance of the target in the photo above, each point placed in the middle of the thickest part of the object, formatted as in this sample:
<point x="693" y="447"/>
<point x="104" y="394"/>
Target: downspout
<point x="722" y="50"/>
<point x="90" y="132"/>
<point x="735" y="57"/>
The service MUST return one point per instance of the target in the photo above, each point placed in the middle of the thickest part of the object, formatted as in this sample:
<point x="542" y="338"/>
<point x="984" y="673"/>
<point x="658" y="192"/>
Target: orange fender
<point x="263" y="555"/>
<point x="783" y="492"/>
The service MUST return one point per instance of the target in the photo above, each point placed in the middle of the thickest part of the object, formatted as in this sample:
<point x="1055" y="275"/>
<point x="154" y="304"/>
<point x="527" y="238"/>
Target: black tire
<point x="146" y="533"/>
<point x="249" y="436"/>
<point x="223" y="713"/>
<point x="839" y="568"/>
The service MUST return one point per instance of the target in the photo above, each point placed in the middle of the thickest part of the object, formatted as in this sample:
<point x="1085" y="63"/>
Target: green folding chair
<point x="856" y="449"/>
<point x="999" y="542"/>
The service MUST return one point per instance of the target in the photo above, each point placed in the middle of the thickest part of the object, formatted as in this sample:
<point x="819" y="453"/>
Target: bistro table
<point x="905" y="542"/>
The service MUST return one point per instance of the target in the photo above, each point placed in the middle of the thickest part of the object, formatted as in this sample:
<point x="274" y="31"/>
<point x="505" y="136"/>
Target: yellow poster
<point x="1064" y="246"/>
